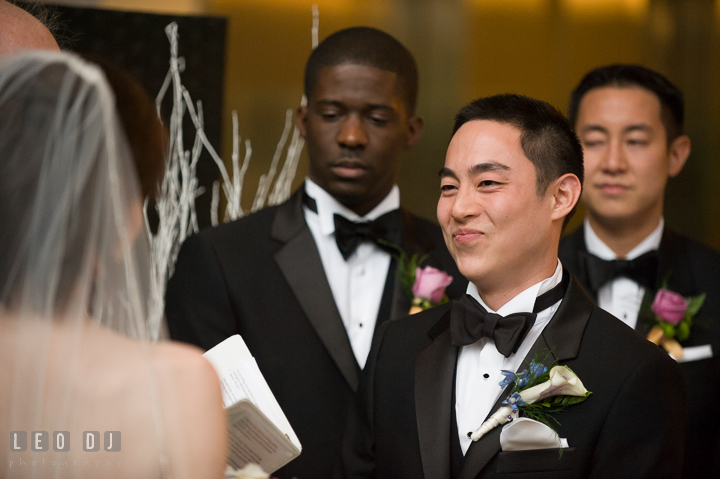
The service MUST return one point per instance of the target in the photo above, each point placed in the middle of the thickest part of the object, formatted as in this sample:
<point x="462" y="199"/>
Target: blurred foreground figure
<point x="630" y="122"/>
<point x="21" y="31"/>
<point x="75" y="355"/>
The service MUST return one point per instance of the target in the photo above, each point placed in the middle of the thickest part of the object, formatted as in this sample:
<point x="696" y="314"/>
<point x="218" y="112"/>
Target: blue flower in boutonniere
<point x="514" y="401"/>
<point x="543" y="393"/>
<point x="672" y="318"/>
<point x="537" y="369"/>
<point x="509" y="378"/>
<point x="425" y="287"/>
<point x="521" y="379"/>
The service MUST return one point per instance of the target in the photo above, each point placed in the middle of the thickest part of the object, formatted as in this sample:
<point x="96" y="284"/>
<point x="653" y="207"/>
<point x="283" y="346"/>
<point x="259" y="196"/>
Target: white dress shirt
<point x="621" y="297"/>
<point x="357" y="284"/>
<point x="478" y="376"/>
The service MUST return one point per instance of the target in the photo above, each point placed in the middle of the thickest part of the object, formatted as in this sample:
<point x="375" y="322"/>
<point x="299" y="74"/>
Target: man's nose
<point x="466" y="205"/>
<point x="615" y="159"/>
<point x="352" y="132"/>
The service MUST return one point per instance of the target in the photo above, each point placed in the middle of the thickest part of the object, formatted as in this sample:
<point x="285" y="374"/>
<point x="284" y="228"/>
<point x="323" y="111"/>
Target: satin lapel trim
<point x="580" y="270"/>
<point x="301" y="265"/>
<point x="674" y="264"/>
<point x="434" y="373"/>
<point x="400" y="302"/>
<point x="561" y="338"/>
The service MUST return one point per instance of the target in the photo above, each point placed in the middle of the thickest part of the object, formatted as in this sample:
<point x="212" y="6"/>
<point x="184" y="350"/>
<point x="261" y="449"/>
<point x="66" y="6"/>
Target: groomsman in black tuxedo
<point x="513" y="174"/>
<point x="630" y="123"/>
<point x="305" y="283"/>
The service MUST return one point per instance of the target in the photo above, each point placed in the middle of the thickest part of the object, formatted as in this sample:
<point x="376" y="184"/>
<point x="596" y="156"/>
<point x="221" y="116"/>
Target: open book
<point x="259" y="431"/>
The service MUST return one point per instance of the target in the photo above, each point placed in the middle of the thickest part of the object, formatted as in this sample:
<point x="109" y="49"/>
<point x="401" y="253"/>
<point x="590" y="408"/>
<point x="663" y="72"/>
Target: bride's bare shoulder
<point x="194" y="419"/>
<point x="190" y="399"/>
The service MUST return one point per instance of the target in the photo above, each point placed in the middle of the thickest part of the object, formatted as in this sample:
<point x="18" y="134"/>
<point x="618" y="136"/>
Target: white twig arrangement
<point x="175" y="203"/>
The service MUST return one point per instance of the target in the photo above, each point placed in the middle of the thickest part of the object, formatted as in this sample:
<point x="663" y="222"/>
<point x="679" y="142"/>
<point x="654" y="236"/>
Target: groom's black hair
<point x="365" y="46"/>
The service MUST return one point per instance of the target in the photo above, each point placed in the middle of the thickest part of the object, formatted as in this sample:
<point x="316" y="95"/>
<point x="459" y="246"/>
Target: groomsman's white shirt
<point x="621" y="297"/>
<point x="477" y="382"/>
<point x="357" y="284"/>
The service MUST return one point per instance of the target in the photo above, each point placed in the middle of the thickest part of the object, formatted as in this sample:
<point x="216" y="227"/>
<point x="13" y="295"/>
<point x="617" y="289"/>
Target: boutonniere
<point x="425" y="287"/>
<point x="536" y="394"/>
<point x="672" y="318"/>
<point x="428" y="288"/>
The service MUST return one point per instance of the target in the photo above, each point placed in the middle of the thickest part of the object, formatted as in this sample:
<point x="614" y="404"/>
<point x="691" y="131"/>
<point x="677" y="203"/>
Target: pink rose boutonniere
<point x="425" y="287"/>
<point x="429" y="288"/>
<point x="672" y="319"/>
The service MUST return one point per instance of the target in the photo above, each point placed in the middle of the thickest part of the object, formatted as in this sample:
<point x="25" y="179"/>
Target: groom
<point x="513" y="175"/>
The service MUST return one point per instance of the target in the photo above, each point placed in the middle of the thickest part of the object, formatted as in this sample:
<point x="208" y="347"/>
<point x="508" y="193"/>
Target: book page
<point x="253" y="439"/>
<point x="241" y="379"/>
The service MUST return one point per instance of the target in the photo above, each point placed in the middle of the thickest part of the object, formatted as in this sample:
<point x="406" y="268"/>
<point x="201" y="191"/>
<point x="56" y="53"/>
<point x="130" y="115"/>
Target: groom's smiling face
<point x="495" y="224"/>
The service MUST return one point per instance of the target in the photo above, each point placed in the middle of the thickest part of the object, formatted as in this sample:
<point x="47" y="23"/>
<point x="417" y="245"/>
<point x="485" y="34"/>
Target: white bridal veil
<point x="74" y="273"/>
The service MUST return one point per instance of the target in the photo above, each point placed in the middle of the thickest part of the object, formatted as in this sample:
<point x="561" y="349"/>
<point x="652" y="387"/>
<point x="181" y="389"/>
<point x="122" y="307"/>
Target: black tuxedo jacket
<point x="262" y="277"/>
<point x="631" y="426"/>
<point x="691" y="269"/>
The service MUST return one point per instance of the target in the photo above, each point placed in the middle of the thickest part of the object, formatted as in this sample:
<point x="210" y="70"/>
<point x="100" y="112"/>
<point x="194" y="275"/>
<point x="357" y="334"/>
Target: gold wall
<point x="471" y="48"/>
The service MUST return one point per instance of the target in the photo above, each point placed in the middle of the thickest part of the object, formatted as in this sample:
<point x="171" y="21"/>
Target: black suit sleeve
<point x="357" y="451"/>
<point x="197" y="307"/>
<point x="644" y="434"/>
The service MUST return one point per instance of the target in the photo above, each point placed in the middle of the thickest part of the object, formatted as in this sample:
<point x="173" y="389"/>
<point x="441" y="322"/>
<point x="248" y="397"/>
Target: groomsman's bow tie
<point x="469" y="321"/>
<point x="643" y="270"/>
<point x="349" y="234"/>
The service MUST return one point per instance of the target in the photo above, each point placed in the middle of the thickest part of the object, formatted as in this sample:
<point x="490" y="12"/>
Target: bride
<point x="77" y="368"/>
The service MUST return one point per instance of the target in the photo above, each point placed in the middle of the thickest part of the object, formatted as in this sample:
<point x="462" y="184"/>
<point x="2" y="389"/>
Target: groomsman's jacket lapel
<point x="300" y="263"/>
<point x="675" y="266"/>
<point x="435" y="369"/>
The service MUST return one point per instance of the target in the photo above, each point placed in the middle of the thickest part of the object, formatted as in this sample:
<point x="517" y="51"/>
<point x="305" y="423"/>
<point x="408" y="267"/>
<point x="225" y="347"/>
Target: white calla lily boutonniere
<point x="536" y="394"/>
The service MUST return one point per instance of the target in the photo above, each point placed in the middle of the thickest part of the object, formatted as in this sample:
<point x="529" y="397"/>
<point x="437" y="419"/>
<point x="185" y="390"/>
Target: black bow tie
<point x="349" y="234"/>
<point x="643" y="270"/>
<point x="469" y="321"/>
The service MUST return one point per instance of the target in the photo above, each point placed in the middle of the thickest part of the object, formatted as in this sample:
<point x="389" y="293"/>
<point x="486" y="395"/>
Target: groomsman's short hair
<point x="547" y="138"/>
<point x="631" y="75"/>
<point x="366" y="46"/>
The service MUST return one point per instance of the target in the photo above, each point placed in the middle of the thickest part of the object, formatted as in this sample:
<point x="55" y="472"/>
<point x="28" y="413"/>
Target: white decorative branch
<point x="175" y="203"/>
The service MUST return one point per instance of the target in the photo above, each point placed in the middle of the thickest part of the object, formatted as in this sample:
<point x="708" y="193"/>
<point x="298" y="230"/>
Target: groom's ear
<point x="565" y="195"/>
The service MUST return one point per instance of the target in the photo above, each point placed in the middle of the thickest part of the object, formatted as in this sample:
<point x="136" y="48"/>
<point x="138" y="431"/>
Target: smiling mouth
<point x="466" y="236"/>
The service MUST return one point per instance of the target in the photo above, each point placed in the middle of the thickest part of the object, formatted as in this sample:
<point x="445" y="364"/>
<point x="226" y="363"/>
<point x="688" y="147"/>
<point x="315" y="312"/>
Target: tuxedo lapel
<point x="560" y="340"/>
<point x="674" y="266"/>
<point x="434" y="373"/>
<point x="300" y="263"/>
<point x="577" y="259"/>
<point x="412" y="241"/>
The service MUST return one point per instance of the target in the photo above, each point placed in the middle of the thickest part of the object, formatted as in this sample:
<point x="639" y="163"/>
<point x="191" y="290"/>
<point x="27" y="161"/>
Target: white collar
<point x="327" y="206"/>
<point x="597" y="247"/>
<point x="525" y="301"/>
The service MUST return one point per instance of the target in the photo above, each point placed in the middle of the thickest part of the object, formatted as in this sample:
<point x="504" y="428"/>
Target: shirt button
<point x="362" y="271"/>
<point x="360" y="325"/>
<point x="486" y="376"/>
